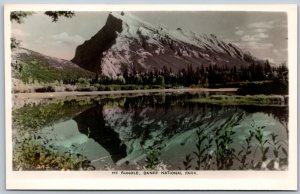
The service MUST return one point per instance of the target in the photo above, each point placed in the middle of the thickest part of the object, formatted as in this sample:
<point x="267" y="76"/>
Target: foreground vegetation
<point x="32" y="152"/>
<point x="217" y="150"/>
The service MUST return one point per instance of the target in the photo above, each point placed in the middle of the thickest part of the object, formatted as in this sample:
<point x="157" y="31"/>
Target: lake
<point x="161" y="131"/>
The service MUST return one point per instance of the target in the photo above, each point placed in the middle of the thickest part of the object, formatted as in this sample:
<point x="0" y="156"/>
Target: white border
<point x="206" y="180"/>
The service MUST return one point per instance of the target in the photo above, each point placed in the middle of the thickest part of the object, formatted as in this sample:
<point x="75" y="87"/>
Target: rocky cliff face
<point x="126" y="42"/>
<point x="89" y="54"/>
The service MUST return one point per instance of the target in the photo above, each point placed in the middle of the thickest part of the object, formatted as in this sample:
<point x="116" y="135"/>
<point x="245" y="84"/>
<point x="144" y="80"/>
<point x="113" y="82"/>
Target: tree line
<point x="210" y="76"/>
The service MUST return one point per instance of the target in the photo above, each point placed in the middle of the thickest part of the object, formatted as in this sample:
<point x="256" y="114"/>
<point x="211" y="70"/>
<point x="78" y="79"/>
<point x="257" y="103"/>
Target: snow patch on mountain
<point x="128" y="41"/>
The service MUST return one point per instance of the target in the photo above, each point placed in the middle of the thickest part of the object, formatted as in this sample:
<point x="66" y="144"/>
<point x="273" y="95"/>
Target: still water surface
<point x="167" y="131"/>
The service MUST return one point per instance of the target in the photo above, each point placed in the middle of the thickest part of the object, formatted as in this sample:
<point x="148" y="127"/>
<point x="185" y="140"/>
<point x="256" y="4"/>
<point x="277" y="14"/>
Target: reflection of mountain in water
<point x="91" y="122"/>
<point x="127" y="130"/>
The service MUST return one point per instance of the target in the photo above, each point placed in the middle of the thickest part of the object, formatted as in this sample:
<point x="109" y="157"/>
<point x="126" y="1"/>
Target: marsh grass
<point x="216" y="151"/>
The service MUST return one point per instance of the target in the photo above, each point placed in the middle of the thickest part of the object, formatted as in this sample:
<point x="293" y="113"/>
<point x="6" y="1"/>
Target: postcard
<point x="151" y="97"/>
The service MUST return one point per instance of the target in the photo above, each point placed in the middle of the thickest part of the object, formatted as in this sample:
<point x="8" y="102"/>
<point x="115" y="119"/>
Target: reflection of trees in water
<point x="177" y="114"/>
<point x="168" y="115"/>
<point x="279" y="113"/>
<point x="168" y="102"/>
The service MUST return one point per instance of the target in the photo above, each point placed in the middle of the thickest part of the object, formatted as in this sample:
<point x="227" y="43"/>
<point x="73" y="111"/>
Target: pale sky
<point x="263" y="34"/>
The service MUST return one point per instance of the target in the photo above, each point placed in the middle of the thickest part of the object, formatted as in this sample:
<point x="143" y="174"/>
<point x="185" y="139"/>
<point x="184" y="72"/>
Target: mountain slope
<point x="28" y="65"/>
<point x="127" y="42"/>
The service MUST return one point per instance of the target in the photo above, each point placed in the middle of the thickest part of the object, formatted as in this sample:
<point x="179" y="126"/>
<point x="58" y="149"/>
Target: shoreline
<point x="95" y="93"/>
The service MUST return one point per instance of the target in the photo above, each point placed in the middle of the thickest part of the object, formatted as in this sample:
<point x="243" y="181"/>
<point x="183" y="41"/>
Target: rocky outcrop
<point x="89" y="54"/>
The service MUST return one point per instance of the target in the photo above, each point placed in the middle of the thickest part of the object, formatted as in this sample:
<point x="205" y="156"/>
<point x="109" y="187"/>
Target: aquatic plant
<point x="275" y="163"/>
<point x="216" y="151"/>
<point x="203" y="150"/>
<point x="153" y="158"/>
<point x="245" y="152"/>
<point x="224" y="151"/>
<point x="261" y="144"/>
<point x="187" y="162"/>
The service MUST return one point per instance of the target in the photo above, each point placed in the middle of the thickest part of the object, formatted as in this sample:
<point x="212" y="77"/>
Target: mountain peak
<point x="126" y="41"/>
<point x="128" y="19"/>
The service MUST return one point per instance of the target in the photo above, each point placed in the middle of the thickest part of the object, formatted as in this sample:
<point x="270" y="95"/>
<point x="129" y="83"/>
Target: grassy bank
<point x="244" y="88"/>
<point x="60" y="87"/>
<point x="243" y="100"/>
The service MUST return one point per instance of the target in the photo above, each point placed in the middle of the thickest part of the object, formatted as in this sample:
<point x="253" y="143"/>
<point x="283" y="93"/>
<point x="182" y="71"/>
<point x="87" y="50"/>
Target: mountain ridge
<point x="125" y="41"/>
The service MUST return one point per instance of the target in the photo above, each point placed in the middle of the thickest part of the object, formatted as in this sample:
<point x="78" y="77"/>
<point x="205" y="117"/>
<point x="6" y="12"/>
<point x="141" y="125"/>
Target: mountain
<point x="126" y="42"/>
<point x="28" y="65"/>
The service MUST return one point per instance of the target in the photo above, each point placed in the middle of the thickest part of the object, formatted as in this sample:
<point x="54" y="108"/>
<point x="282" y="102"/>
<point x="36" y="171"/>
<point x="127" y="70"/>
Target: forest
<point x="258" y="76"/>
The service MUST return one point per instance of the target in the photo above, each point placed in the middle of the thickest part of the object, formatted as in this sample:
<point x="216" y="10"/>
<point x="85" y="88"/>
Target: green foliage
<point x="203" y="146"/>
<point x="262" y="141"/>
<point x="152" y="158"/>
<point x="216" y="152"/>
<point x="224" y="149"/>
<point x="31" y="152"/>
<point x="245" y="152"/>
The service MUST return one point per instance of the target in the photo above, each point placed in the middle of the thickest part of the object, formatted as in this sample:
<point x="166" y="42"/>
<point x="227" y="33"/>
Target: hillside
<point x="28" y="65"/>
<point x="126" y="42"/>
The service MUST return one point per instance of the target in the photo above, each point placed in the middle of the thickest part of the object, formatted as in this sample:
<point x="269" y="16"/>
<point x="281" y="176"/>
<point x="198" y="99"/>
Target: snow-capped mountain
<point x="125" y="41"/>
